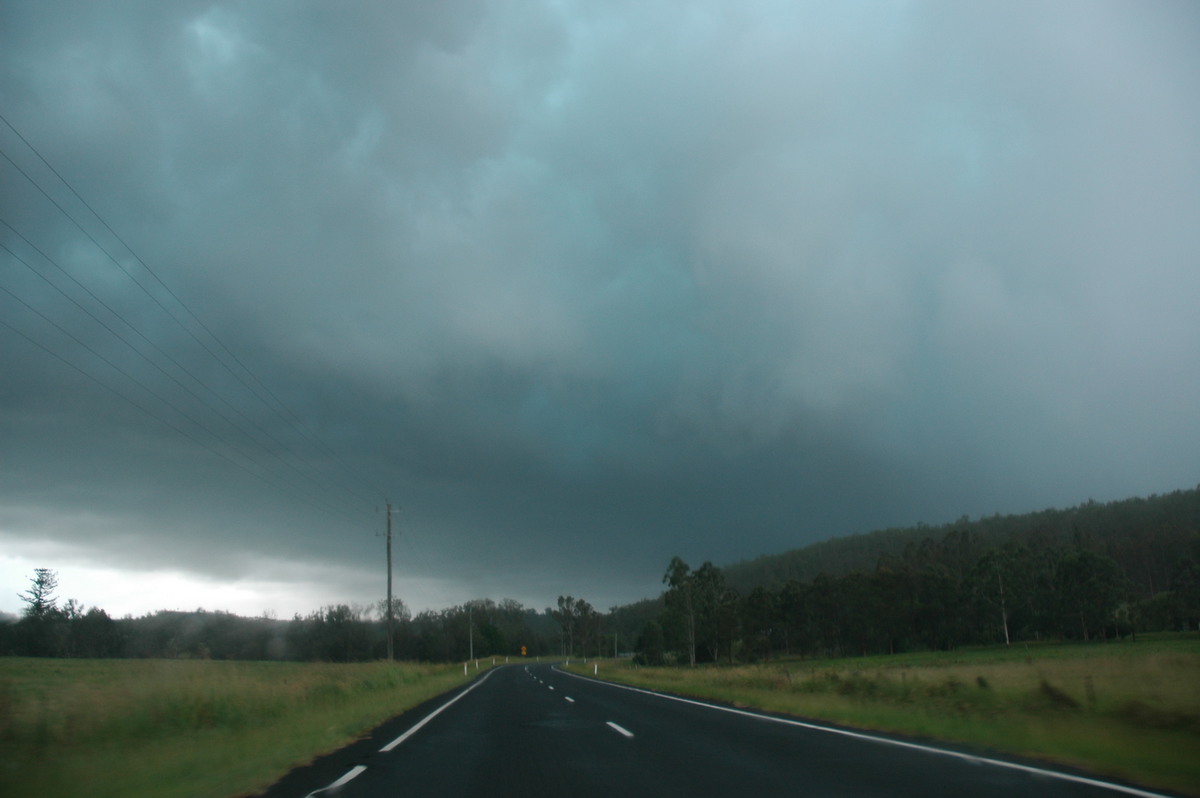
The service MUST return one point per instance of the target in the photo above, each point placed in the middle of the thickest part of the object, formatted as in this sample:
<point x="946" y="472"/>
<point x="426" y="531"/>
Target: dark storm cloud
<point x="584" y="288"/>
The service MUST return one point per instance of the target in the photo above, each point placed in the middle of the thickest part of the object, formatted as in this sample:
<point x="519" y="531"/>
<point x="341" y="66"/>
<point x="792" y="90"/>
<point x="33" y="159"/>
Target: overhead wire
<point x="190" y="417"/>
<point x="99" y="356"/>
<point x="148" y="293"/>
<point x="276" y="406"/>
<point x="266" y="433"/>
<point x="295" y="419"/>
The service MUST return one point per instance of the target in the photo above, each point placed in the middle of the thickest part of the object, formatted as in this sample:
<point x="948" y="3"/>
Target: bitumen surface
<point x="534" y="730"/>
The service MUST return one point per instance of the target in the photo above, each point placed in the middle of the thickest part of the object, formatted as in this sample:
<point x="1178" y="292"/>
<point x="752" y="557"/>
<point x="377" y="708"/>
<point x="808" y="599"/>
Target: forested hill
<point x="1146" y="537"/>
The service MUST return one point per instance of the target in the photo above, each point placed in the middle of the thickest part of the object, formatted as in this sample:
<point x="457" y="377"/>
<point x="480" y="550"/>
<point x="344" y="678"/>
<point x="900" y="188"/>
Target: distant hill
<point x="1145" y="536"/>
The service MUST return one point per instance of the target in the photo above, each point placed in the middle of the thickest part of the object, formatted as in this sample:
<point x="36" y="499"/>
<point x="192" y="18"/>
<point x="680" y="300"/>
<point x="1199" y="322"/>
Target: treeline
<point x="1095" y="572"/>
<point x="1146" y="537"/>
<point x="338" y="633"/>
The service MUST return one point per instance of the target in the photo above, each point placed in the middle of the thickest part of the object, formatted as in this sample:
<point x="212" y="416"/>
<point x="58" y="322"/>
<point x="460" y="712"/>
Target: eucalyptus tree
<point x="680" y="601"/>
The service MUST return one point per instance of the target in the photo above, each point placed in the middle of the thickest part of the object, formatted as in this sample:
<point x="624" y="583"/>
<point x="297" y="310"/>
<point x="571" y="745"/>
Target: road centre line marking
<point x="551" y="687"/>
<point x="433" y="715"/>
<point x="572" y="700"/>
<point x="355" y="771"/>
<point x="887" y="741"/>
<point x="344" y="780"/>
<point x="618" y="729"/>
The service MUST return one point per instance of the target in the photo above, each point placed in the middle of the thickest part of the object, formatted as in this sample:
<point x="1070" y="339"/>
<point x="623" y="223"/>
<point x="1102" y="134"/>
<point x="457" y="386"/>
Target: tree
<point x="707" y="594"/>
<point x="578" y="620"/>
<point x="565" y="615"/>
<point x="1185" y="586"/>
<point x="681" y="601"/>
<point x="896" y="606"/>
<point x="715" y="609"/>
<point x="796" y="615"/>
<point x="939" y="604"/>
<point x="1091" y="586"/>
<point x="827" y="609"/>
<point x="989" y="577"/>
<point x="587" y="620"/>
<point x="859" y="612"/>
<point x="760" y="611"/>
<point x="650" y="645"/>
<point x="42" y="630"/>
<point x="40" y="596"/>
<point x="332" y="634"/>
<point x="96" y="635"/>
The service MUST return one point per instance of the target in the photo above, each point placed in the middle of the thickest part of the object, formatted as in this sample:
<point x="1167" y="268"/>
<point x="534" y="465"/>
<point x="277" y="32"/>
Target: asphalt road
<point x="536" y="731"/>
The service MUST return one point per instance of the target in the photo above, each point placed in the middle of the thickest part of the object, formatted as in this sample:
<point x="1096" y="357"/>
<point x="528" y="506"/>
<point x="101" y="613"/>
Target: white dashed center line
<point x="619" y="730"/>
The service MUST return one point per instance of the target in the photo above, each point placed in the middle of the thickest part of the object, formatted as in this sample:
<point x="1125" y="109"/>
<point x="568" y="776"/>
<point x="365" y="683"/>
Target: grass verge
<point x="184" y="728"/>
<point x="1129" y="711"/>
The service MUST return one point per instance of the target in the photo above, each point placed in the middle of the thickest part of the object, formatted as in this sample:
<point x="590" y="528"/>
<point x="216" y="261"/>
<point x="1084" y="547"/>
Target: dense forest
<point x="1096" y="571"/>
<point x="1145" y="537"/>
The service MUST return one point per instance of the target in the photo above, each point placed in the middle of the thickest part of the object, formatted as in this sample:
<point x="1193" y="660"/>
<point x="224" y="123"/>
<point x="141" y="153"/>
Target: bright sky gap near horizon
<point x="578" y="287"/>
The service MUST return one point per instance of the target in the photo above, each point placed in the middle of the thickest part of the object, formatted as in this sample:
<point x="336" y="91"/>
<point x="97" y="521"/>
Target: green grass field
<point x="1125" y="710"/>
<point x="175" y="728"/>
<point x="196" y="728"/>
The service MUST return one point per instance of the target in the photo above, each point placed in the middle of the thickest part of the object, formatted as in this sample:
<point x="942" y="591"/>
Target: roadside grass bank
<point x="184" y="728"/>
<point x="1129" y="711"/>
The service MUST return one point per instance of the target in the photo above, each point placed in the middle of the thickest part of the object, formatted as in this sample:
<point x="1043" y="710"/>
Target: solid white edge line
<point x="345" y="779"/>
<point x="618" y="729"/>
<point x="885" y="740"/>
<point x="433" y="715"/>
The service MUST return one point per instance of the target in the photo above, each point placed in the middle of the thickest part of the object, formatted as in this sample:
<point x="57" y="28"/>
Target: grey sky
<point x="585" y="286"/>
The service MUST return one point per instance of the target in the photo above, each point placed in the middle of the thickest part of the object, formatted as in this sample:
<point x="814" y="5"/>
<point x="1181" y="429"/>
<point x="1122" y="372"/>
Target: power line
<point x="151" y="362"/>
<point x="142" y="407"/>
<point x="275" y="405"/>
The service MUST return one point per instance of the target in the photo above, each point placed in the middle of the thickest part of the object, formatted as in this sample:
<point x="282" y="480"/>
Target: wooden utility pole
<point x="390" y="612"/>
